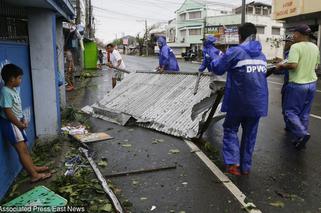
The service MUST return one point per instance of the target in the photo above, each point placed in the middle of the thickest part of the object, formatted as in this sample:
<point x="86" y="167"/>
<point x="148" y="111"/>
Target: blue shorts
<point x="11" y="132"/>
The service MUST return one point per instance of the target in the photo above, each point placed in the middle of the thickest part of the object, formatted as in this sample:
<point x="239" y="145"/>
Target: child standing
<point x="12" y="122"/>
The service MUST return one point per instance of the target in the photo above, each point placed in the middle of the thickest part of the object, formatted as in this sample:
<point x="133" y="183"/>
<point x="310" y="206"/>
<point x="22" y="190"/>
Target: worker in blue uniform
<point x="167" y="58"/>
<point x="245" y="99"/>
<point x="288" y="43"/>
<point x="209" y="53"/>
<point x="304" y="57"/>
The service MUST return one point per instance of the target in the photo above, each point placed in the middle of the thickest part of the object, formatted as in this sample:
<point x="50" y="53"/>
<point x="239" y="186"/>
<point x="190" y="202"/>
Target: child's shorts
<point x="118" y="75"/>
<point x="11" y="132"/>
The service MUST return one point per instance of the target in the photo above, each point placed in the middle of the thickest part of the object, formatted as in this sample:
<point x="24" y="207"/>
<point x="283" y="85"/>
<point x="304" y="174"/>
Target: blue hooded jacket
<point x="166" y="56"/>
<point x="209" y="53"/>
<point x="246" y="91"/>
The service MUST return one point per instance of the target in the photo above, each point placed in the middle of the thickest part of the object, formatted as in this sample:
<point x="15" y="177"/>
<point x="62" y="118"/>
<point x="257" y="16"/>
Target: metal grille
<point x="13" y="23"/>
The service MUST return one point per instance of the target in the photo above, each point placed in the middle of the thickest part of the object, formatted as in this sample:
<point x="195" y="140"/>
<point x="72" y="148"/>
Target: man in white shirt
<point x="116" y="62"/>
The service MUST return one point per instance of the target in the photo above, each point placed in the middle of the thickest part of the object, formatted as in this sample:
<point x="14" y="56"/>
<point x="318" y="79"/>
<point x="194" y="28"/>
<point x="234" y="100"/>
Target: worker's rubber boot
<point x="301" y="142"/>
<point x="233" y="170"/>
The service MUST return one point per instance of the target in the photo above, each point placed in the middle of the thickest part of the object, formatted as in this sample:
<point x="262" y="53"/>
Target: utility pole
<point x="243" y="11"/>
<point x="205" y="15"/>
<point x="146" y="37"/>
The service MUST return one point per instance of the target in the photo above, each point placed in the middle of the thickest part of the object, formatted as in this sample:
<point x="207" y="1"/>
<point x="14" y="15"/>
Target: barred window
<point x="195" y="15"/>
<point x="195" y="32"/>
<point x="13" y="23"/>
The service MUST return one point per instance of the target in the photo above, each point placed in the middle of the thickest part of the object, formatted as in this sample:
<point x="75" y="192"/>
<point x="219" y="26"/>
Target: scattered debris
<point x="174" y="151"/>
<point x="88" y="110"/>
<point x="184" y="183"/>
<point x="107" y="208"/>
<point x="140" y="171"/>
<point x="289" y="196"/>
<point x="127" y="145"/>
<point x="92" y="137"/>
<point x="153" y="208"/>
<point x="103" y="182"/>
<point x="278" y="204"/>
<point x="126" y="203"/>
<point x="135" y="182"/>
<point x="143" y="198"/>
<point x="74" y="130"/>
<point x="102" y="163"/>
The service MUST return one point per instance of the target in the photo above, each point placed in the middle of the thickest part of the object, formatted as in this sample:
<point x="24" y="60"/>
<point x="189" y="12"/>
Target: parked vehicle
<point x="189" y="55"/>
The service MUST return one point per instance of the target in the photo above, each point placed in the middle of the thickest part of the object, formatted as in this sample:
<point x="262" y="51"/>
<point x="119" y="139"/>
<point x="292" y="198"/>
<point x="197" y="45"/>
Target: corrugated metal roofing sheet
<point x="163" y="102"/>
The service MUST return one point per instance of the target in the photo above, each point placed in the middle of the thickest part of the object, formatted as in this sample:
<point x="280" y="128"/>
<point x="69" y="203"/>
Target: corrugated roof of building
<point x="163" y="102"/>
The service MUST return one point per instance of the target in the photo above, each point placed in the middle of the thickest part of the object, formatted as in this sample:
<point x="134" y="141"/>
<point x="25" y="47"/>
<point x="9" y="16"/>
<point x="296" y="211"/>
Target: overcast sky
<point x="126" y="17"/>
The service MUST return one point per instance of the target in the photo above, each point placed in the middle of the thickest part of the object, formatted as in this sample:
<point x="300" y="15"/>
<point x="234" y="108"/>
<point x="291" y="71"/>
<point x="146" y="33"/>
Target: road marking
<point x="236" y="192"/>
<point x="273" y="82"/>
<point x="315" y="116"/>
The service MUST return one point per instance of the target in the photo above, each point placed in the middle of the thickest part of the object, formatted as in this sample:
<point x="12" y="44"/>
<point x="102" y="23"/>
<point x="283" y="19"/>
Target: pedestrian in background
<point x="100" y="58"/>
<point x="116" y="63"/>
<point x="69" y="67"/>
<point x="167" y="58"/>
<point x="304" y="56"/>
<point x="245" y="100"/>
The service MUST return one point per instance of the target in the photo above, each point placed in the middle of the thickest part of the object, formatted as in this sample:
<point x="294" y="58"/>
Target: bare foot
<point x="40" y="177"/>
<point x="41" y="168"/>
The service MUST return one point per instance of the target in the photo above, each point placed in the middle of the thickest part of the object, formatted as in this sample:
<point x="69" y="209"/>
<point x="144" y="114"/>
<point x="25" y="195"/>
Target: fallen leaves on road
<point x="102" y="163"/>
<point x="156" y="141"/>
<point x="126" y="145"/>
<point x="278" y="204"/>
<point x="174" y="151"/>
<point x="135" y="182"/>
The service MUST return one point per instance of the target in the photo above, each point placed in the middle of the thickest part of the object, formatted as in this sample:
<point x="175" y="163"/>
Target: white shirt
<point x="115" y="57"/>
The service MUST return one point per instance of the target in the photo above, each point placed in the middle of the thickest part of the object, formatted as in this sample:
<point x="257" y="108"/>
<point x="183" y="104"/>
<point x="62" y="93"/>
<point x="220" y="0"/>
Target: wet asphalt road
<point x="280" y="174"/>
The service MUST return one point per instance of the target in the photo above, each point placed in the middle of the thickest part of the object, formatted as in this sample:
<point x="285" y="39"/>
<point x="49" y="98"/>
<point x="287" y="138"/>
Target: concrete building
<point x="190" y="21"/>
<point x="270" y="32"/>
<point x="195" y="19"/>
<point x="31" y="37"/>
<point x="293" y="13"/>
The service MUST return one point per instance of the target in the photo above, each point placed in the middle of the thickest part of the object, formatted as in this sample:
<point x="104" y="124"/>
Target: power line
<point x="126" y="15"/>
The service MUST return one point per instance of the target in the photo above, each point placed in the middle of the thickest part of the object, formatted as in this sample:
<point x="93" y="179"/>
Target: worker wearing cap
<point x="304" y="56"/>
<point x="167" y="59"/>
<point x="245" y="99"/>
<point x="209" y="53"/>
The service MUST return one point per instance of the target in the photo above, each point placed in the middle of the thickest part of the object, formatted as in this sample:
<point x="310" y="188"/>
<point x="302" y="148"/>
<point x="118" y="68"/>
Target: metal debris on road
<point x="164" y="102"/>
<point x="103" y="182"/>
<point x="141" y="171"/>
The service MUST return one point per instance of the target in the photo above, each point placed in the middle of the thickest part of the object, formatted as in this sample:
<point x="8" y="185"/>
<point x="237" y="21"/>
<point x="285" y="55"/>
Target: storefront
<point x="295" y="12"/>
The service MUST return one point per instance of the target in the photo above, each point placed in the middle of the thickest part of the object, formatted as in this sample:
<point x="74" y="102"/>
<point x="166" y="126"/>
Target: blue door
<point x="18" y="54"/>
